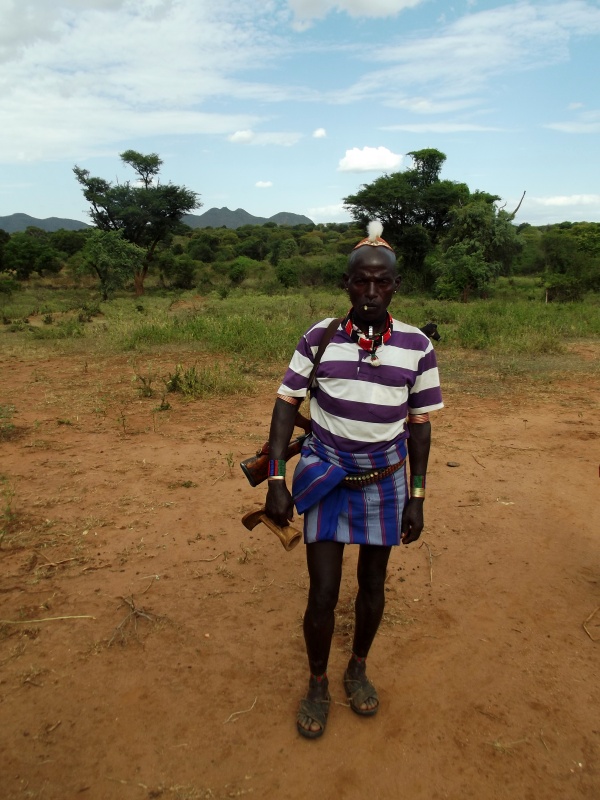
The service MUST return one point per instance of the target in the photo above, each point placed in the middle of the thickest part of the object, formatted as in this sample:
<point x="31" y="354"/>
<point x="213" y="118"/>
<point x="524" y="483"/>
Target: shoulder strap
<point x="328" y="335"/>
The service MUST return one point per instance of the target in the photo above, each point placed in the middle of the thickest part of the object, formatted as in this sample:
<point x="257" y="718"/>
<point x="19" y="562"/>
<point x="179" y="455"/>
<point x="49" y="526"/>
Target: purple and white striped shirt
<point x="359" y="408"/>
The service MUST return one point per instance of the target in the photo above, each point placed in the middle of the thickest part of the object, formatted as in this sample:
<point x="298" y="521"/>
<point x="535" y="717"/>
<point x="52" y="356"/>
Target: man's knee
<point x="323" y="599"/>
<point x="371" y="579"/>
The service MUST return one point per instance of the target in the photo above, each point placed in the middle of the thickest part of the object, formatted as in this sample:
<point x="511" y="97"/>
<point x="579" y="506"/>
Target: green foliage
<point x="462" y="272"/>
<point x="283" y="248"/>
<point x="70" y="328"/>
<point x="570" y="257"/>
<point x="68" y="243"/>
<point x="30" y="251"/>
<point x="180" y="272"/>
<point x="238" y="270"/>
<point x="146" y="214"/>
<point x="287" y="273"/>
<point x="9" y="282"/>
<point x="112" y="259"/>
<point x="414" y="207"/>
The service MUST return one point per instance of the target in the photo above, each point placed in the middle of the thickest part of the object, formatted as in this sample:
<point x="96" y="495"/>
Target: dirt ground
<point x="150" y="646"/>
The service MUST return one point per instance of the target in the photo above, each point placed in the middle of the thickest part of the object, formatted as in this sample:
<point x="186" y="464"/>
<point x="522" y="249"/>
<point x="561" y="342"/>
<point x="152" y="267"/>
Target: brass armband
<point x="295" y="401"/>
<point x="417" y="486"/>
<point x="418" y="419"/>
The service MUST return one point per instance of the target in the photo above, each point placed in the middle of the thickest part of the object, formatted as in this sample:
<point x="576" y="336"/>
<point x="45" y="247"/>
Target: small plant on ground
<point x="187" y="381"/>
<point x="7" y="514"/>
<point x="6" y="424"/>
<point x="210" y="381"/>
<point x="88" y="311"/>
<point x="164" y="404"/>
<point x="145" y="389"/>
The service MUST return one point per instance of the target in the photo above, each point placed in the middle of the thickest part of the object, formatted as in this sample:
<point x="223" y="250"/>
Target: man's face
<point x="371" y="282"/>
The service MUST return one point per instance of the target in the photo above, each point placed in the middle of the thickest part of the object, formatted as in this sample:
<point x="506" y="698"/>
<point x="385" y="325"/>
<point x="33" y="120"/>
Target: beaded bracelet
<point x="417" y="486"/>
<point x="276" y="468"/>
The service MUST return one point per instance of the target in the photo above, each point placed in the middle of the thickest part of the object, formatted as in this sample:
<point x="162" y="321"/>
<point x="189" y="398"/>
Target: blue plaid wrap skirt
<point x="332" y="512"/>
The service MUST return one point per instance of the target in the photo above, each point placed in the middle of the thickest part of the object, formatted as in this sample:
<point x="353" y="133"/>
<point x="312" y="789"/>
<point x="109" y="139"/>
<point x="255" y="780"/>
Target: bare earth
<point x="152" y="647"/>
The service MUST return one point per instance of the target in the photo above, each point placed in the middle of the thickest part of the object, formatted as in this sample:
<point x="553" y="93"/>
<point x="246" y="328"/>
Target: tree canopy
<point x="147" y="213"/>
<point x="425" y="218"/>
<point x="414" y="207"/>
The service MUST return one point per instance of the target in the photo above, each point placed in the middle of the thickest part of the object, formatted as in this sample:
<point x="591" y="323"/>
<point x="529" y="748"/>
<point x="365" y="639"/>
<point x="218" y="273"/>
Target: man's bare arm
<point x="419" y="444"/>
<point x="279" y="504"/>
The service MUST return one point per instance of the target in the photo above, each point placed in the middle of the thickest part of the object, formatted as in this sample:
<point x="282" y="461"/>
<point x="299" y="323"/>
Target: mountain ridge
<point x="16" y="223"/>
<point x="225" y="218"/>
<point x="213" y="218"/>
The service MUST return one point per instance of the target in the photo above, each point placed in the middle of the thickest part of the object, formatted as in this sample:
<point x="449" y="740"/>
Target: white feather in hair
<point x="374" y="229"/>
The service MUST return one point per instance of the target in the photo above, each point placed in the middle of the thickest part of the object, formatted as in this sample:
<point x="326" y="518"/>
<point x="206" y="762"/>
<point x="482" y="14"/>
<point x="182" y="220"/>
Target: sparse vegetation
<point x="6" y="424"/>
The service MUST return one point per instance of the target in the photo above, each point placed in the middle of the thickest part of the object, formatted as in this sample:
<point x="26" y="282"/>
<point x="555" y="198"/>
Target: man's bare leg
<point x="324" y="561"/>
<point x="369" y="605"/>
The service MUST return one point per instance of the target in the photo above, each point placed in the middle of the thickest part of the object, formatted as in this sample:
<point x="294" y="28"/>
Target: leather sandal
<point x="358" y="691"/>
<point x="316" y="710"/>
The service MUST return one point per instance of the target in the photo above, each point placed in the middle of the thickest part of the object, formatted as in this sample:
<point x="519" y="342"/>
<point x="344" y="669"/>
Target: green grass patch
<point x="257" y="328"/>
<point x="208" y="381"/>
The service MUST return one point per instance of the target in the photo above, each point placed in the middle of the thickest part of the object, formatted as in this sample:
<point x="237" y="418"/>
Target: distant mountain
<point x="213" y="218"/>
<point x="15" y="223"/>
<point x="224" y="218"/>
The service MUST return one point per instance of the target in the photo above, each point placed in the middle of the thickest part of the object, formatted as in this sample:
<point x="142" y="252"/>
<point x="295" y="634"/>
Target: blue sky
<point x="291" y="105"/>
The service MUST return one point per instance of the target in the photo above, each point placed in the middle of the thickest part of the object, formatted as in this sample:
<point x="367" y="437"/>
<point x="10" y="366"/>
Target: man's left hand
<point x="412" y="520"/>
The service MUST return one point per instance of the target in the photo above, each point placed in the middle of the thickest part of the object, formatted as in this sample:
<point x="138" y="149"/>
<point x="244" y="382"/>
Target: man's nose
<point x="371" y="289"/>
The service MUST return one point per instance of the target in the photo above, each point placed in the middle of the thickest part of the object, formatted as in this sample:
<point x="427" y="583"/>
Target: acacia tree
<point x="147" y="213"/>
<point x="414" y="207"/>
<point x="480" y="244"/>
<point x="112" y="259"/>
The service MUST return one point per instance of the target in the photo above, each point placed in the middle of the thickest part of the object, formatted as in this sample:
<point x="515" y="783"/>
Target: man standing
<point x="372" y="392"/>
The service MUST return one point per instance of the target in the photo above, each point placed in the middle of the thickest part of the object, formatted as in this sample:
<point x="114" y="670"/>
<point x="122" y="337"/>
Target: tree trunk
<point x="138" y="280"/>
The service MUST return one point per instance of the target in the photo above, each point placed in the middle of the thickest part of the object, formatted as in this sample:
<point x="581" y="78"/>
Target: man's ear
<point x="345" y="279"/>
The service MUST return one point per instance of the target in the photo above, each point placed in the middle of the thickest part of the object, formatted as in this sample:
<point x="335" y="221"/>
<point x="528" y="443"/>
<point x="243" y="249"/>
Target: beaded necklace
<point x="370" y="341"/>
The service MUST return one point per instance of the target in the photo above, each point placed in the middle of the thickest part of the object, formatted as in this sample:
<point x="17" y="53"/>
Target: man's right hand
<point x="279" y="505"/>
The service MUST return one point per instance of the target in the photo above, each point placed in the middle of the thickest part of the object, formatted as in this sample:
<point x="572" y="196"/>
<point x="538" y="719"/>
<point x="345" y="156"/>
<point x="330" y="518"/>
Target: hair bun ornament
<point x="374" y="229"/>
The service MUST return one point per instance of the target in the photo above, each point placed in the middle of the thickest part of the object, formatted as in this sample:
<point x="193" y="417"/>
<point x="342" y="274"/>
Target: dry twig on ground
<point x="233" y="717"/>
<point x="589" y="619"/>
<point x="431" y="557"/>
<point x="130" y="620"/>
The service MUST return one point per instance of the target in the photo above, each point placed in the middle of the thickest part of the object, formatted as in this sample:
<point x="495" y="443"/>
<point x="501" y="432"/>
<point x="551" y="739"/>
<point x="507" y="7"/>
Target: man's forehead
<point x="373" y="261"/>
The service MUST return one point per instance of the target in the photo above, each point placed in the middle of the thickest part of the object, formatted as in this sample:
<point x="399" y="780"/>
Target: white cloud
<point x="332" y="213"/>
<point x="263" y="184"/>
<point x="317" y="9"/>
<point x="439" y="127"/>
<point x="78" y="75"/>
<point x="430" y="105"/>
<point x="574" y="127"/>
<point x="277" y="138"/>
<point x="566" y="201"/>
<point x="586" y="122"/>
<point x="463" y="58"/>
<point x="558" y="208"/>
<point x="320" y="133"/>
<point x="241" y="137"/>
<point x="369" y="159"/>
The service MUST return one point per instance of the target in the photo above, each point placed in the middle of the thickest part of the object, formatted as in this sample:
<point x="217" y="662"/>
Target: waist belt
<point x="367" y="478"/>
